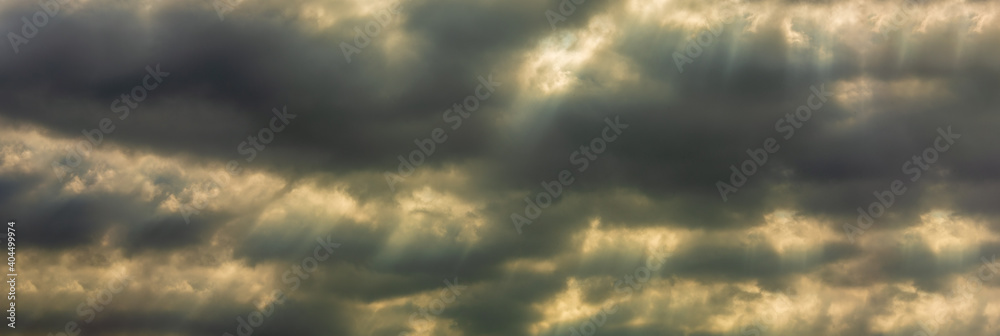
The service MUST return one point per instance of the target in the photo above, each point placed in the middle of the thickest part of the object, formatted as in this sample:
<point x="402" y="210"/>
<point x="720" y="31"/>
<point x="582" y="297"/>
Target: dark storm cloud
<point x="61" y="222"/>
<point x="225" y="75"/>
<point x="224" y="80"/>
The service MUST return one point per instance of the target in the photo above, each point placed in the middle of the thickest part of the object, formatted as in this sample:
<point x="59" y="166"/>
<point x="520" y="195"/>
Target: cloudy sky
<point x="502" y="167"/>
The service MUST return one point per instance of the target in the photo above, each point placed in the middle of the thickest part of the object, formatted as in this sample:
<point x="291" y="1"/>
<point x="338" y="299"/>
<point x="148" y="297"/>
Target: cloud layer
<point x="208" y="232"/>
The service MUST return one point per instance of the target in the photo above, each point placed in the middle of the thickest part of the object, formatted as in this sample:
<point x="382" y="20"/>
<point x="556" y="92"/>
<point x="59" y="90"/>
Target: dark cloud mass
<point x="428" y="138"/>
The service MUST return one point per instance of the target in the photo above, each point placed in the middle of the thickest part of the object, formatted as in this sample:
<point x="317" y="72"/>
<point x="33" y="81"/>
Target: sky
<point x="501" y="167"/>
